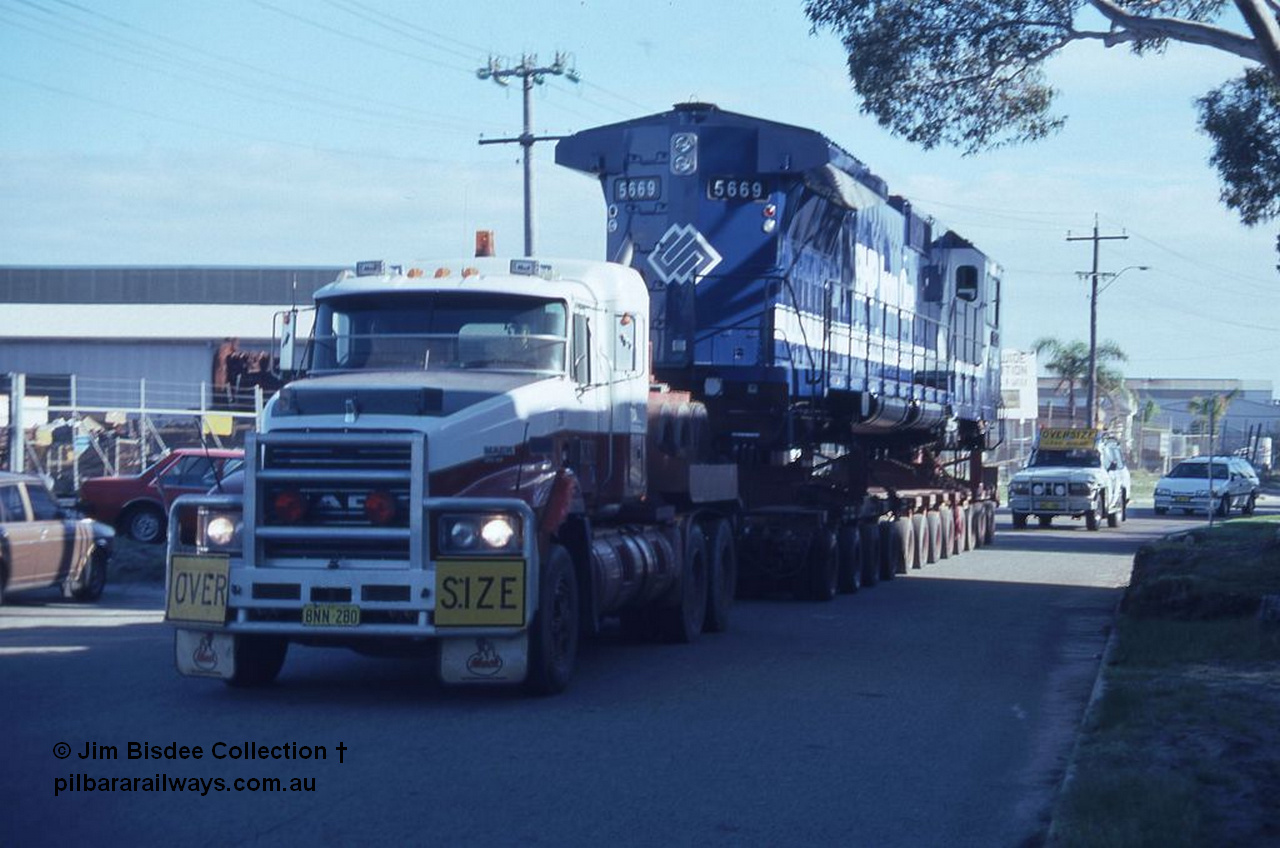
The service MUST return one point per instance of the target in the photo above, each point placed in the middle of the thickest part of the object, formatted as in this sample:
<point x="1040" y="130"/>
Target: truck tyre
<point x="1044" y="520"/>
<point x="1249" y="505"/>
<point x="989" y="523"/>
<point x="258" y="660"/>
<point x="1124" y="505"/>
<point x="946" y="531"/>
<point x="869" y="537"/>
<point x="144" y="523"/>
<point x="964" y="538"/>
<point x="1019" y="520"/>
<point x="849" y="546"/>
<point x="723" y="576"/>
<point x="1113" y="518"/>
<point x="1224" y="506"/>
<point x="919" y="540"/>
<point x="553" y="638"/>
<point x="933" y="533"/>
<point x="94" y="578"/>
<point x="683" y="622"/>
<point x="818" y="581"/>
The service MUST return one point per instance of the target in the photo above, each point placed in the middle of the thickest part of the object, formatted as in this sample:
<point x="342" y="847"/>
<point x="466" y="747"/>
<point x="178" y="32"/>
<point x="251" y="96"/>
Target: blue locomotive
<point x="791" y="292"/>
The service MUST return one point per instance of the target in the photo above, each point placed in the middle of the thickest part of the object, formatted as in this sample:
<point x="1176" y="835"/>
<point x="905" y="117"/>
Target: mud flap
<point x="204" y="653"/>
<point x="485" y="659"/>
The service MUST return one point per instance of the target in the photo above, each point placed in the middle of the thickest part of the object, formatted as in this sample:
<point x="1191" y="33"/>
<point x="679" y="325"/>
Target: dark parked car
<point x="138" y="506"/>
<point x="41" y="546"/>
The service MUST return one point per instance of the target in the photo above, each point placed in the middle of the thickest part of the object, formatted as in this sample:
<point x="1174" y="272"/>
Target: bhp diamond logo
<point x="683" y="255"/>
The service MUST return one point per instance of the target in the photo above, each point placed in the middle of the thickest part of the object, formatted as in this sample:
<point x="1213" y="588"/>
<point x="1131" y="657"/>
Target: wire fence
<point x="69" y="430"/>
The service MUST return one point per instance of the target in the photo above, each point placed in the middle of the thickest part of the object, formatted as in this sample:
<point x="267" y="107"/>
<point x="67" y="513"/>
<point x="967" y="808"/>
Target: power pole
<point x="1093" y="318"/>
<point x="531" y="74"/>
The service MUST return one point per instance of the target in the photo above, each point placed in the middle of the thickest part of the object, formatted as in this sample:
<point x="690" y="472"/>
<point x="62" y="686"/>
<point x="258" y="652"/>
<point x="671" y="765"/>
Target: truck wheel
<point x="869" y="537"/>
<point x="1092" y="517"/>
<point x="1224" y="506"/>
<point x="1250" y="505"/>
<point x="723" y="576"/>
<point x="145" y="523"/>
<point x="94" y="579"/>
<point x="849" y="579"/>
<point x="258" y="660"/>
<point x="817" y="582"/>
<point x="1113" y="518"/>
<point x="553" y="638"/>
<point x="964" y="539"/>
<point x="1044" y="520"/>
<point x="933" y="529"/>
<point x="683" y="622"/>
<point x="1019" y="520"/>
<point x="1124" y="505"/>
<point x="946" y="531"/>
<point x="989" y="523"/>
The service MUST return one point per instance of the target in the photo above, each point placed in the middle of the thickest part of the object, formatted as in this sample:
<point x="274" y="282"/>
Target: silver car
<point x="1188" y="487"/>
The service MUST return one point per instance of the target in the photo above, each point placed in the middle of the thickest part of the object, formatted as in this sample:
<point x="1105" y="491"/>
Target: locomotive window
<point x="624" y="343"/>
<point x="967" y="282"/>
<point x="581" y="370"/>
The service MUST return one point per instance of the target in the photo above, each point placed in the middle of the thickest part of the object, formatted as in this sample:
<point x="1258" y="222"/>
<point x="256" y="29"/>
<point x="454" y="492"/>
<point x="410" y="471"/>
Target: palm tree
<point x="1069" y="362"/>
<point x="1208" y="409"/>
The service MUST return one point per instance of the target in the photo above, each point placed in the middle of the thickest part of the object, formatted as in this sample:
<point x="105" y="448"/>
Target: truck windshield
<point x="413" y="331"/>
<point x="1075" y="458"/>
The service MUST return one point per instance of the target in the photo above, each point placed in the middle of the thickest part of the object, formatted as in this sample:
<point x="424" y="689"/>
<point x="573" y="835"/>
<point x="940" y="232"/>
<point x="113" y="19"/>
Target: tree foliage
<point x="970" y="73"/>
<point x="1069" y="362"/>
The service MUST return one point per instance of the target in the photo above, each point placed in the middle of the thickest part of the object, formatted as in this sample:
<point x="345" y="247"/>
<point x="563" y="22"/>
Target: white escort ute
<point x="1073" y="472"/>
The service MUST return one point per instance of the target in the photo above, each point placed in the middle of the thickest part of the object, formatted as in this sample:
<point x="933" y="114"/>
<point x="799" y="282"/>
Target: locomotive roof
<point x="782" y="148"/>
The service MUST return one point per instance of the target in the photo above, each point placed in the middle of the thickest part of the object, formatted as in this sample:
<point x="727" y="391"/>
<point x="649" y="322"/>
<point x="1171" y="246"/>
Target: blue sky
<point x="285" y="132"/>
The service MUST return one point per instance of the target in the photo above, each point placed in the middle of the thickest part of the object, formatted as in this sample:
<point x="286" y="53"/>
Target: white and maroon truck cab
<point x="414" y="487"/>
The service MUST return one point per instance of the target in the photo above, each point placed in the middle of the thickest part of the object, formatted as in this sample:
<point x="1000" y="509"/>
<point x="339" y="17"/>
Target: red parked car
<point x="138" y="506"/>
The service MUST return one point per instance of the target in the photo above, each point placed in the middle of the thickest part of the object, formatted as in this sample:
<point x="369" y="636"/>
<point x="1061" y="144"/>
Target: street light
<point x="1093" y="330"/>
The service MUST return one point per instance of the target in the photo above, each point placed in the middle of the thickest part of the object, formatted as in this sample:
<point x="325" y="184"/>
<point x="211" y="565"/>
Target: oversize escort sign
<point x="197" y="590"/>
<point x="1067" y="438"/>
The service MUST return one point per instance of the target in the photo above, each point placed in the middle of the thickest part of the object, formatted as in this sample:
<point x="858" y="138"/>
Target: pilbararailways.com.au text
<point x="165" y="783"/>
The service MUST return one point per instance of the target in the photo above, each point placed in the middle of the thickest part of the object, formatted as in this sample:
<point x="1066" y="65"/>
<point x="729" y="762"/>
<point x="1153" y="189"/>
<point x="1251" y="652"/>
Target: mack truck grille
<point x="341" y="500"/>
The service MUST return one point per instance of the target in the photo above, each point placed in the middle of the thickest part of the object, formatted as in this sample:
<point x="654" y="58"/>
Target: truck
<point x="1076" y="472"/>
<point x="779" y="380"/>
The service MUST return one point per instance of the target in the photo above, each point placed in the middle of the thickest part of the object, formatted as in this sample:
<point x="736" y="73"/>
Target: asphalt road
<point x="934" y="710"/>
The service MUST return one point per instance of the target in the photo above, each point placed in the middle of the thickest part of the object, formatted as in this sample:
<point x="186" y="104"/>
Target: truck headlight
<point x="219" y="530"/>
<point x="479" y="534"/>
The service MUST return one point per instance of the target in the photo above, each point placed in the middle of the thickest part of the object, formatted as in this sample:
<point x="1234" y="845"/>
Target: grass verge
<point x="1183" y="747"/>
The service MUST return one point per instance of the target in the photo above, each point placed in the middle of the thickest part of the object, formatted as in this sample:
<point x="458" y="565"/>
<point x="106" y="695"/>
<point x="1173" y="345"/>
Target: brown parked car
<point x="41" y="545"/>
<point x="138" y="505"/>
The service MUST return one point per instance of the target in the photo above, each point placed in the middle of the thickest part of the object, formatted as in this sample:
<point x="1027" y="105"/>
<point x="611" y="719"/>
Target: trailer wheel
<point x="919" y="541"/>
<point x="895" y="542"/>
<point x="869" y="539"/>
<point x="683" y="622"/>
<point x="818" y="581"/>
<point x="553" y="638"/>
<point x="946" y="531"/>
<point x="963" y="541"/>
<point x="989" y="523"/>
<point x="723" y="576"/>
<point x="976" y="520"/>
<point x="849" y="546"/>
<point x="258" y="660"/>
